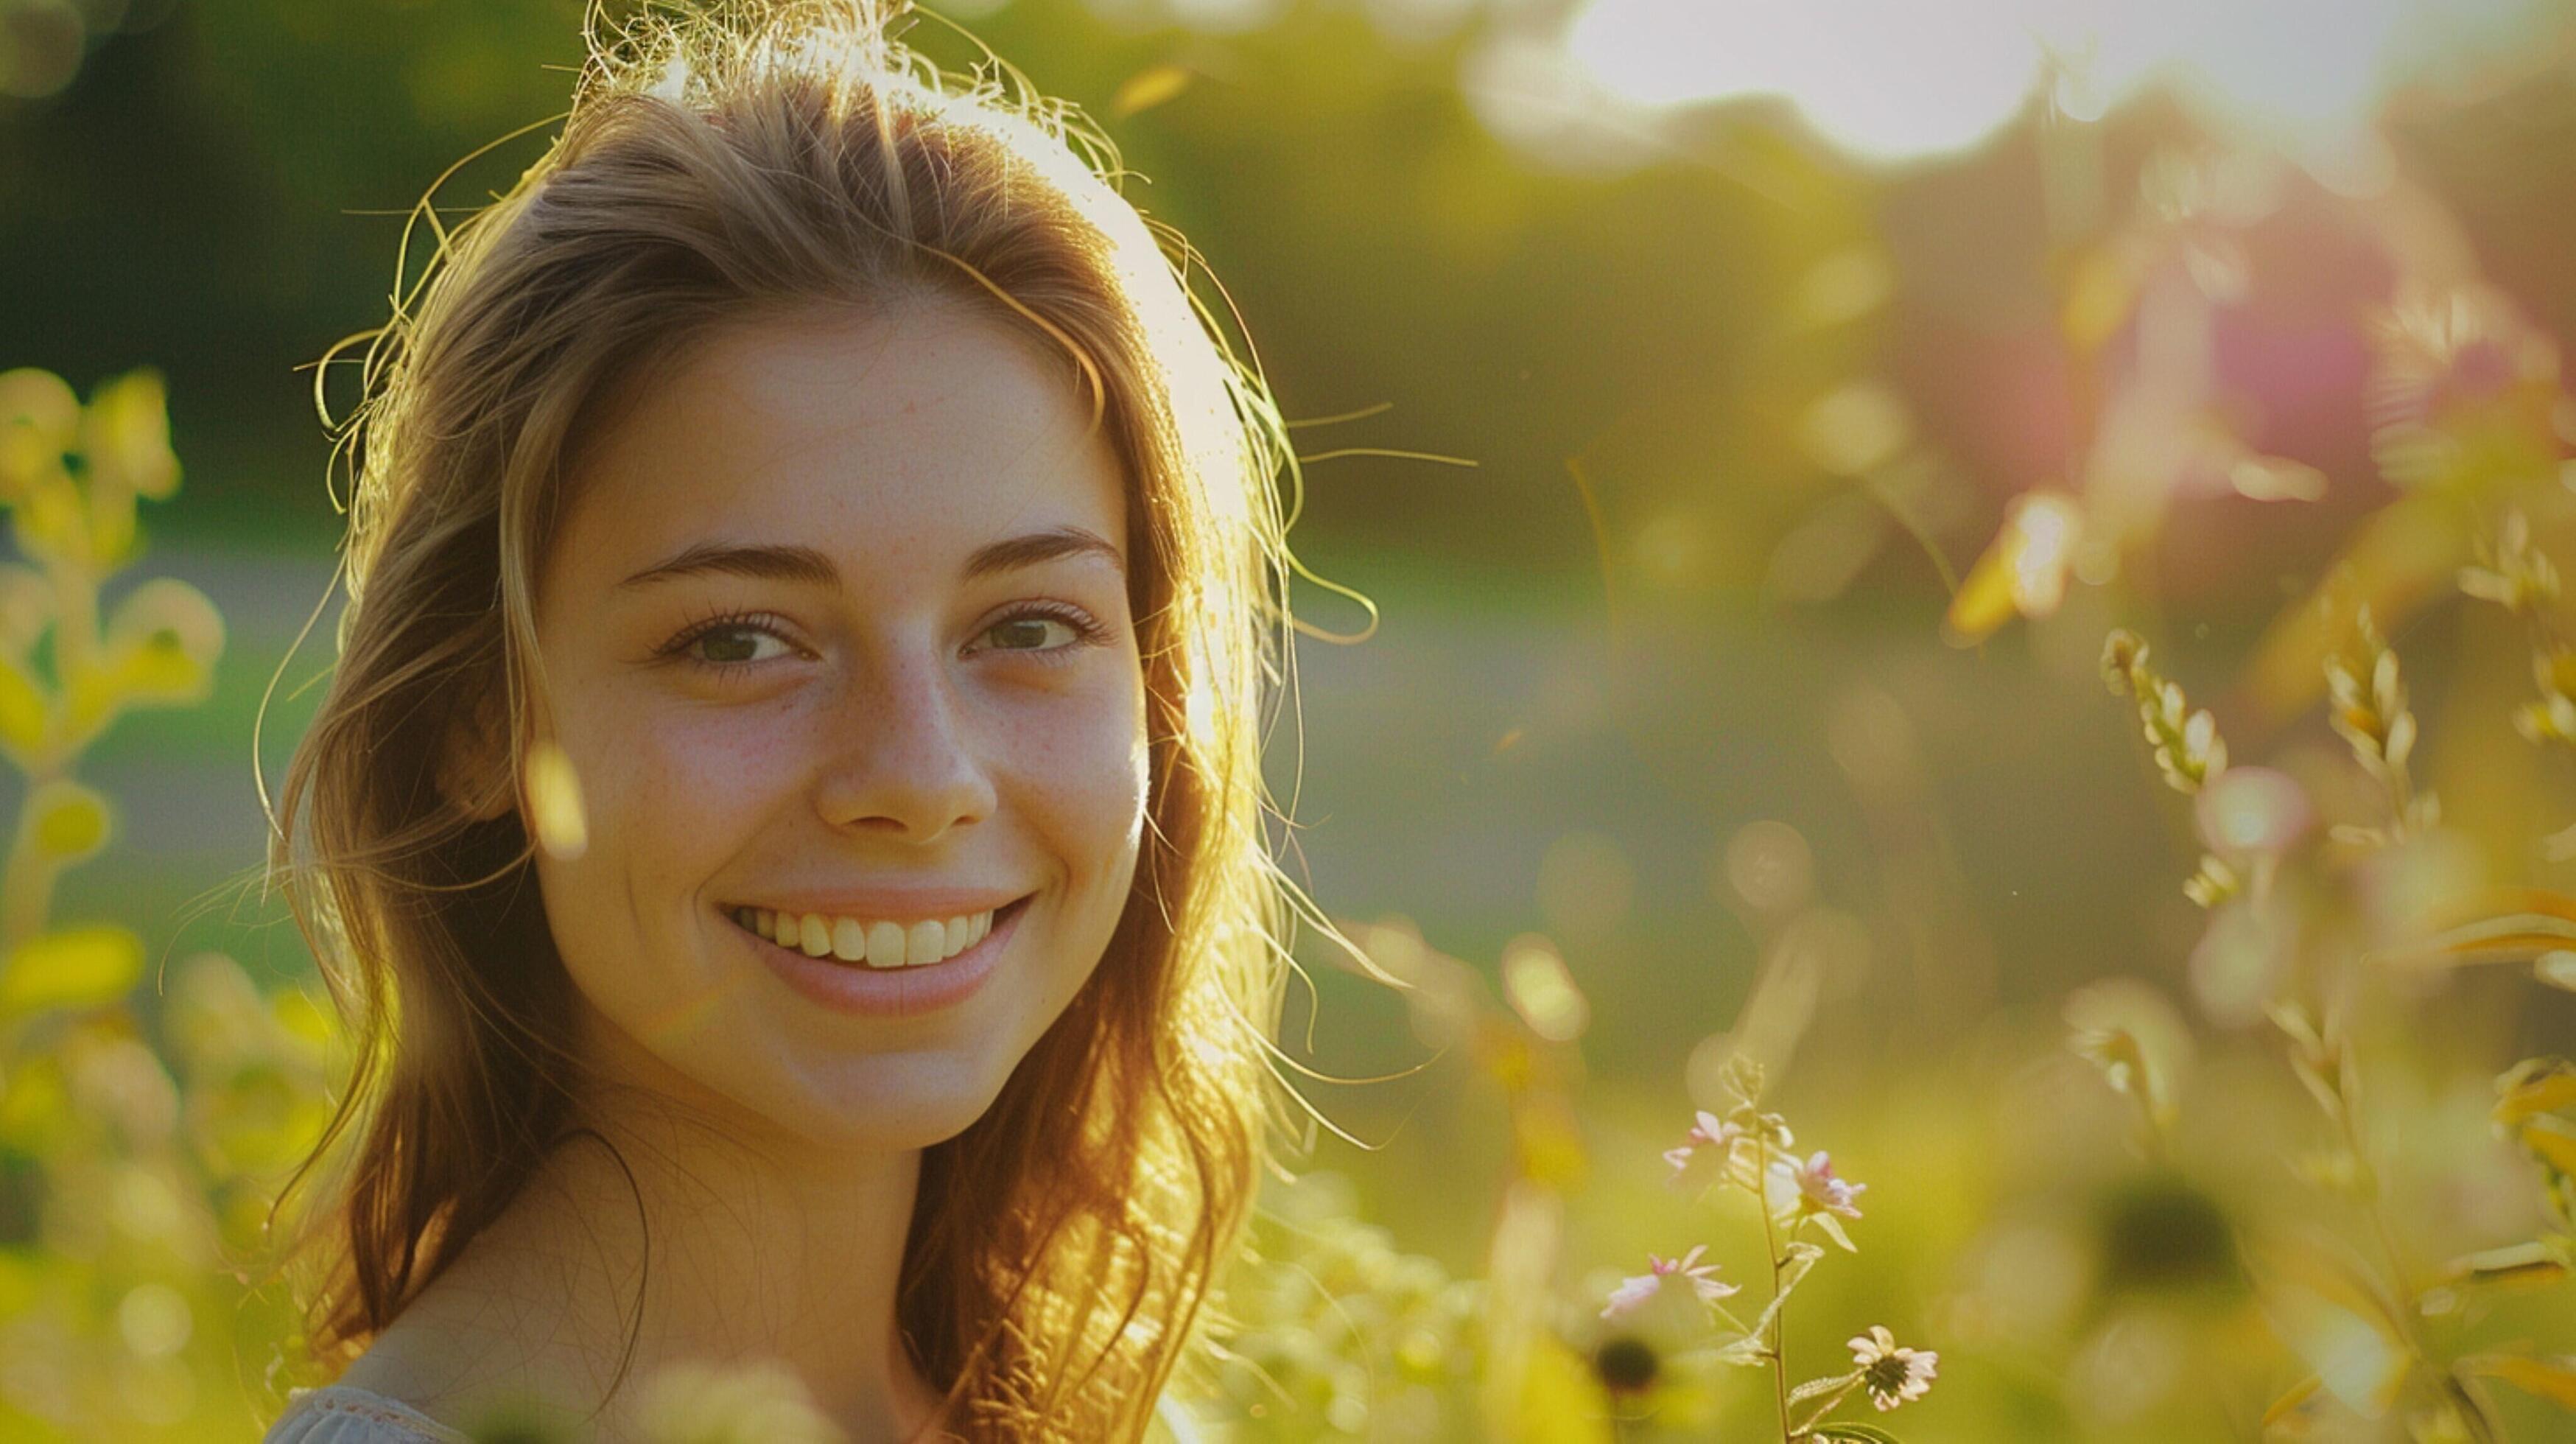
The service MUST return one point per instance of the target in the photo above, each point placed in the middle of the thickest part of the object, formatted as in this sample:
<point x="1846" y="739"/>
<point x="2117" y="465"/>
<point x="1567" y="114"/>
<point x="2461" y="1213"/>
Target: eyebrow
<point x="787" y="563"/>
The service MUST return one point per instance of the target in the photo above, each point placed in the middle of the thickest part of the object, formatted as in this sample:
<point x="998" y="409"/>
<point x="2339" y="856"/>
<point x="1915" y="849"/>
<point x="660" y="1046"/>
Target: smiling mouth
<point x="875" y="944"/>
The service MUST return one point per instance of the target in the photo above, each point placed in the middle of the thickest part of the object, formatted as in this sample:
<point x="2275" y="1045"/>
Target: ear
<point x="474" y="757"/>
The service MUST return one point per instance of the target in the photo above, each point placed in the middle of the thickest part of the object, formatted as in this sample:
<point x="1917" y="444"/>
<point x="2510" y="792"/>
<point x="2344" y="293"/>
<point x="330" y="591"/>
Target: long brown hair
<point x="715" y="165"/>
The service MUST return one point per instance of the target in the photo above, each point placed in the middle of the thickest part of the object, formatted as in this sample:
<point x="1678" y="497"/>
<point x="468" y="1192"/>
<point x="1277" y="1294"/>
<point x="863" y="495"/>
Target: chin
<point x="890" y="1102"/>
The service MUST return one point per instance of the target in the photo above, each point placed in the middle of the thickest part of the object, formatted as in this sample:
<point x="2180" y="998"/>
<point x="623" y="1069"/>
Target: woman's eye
<point x="735" y="643"/>
<point x="1029" y="634"/>
<point x="1046" y="633"/>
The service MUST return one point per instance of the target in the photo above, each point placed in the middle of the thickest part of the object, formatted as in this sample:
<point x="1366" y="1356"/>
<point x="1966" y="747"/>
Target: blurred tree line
<point x="218" y="189"/>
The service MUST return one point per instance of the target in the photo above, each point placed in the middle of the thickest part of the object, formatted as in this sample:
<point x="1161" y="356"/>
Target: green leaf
<point x="74" y="968"/>
<point x="1832" y="1228"/>
<point x="1825" y="1385"/>
<point x="1866" y="1433"/>
<point x="1748" y="1352"/>
<point x="1796" y="1258"/>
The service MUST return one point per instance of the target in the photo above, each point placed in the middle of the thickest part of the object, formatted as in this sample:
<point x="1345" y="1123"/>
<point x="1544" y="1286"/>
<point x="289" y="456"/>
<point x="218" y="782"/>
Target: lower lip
<point x="861" y="991"/>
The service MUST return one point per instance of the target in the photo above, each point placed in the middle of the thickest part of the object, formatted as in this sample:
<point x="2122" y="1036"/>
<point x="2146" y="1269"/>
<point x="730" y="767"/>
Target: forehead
<point x="915" y="432"/>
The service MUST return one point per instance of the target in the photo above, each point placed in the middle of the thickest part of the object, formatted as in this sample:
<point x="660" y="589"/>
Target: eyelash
<point x="1086" y="633"/>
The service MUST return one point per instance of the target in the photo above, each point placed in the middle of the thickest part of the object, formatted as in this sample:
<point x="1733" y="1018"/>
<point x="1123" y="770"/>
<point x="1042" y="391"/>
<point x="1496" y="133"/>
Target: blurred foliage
<point x="137" y="1153"/>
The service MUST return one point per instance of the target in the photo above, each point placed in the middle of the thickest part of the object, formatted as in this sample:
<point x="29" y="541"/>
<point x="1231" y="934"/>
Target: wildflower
<point x="1894" y="1375"/>
<point x="2553" y="717"/>
<point x="2116" y="1052"/>
<point x="2124" y="653"/>
<point x="2215" y="883"/>
<point x="2126" y="1028"/>
<point x="2188" y="750"/>
<point x="1709" y="1131"/>
<point x="2369" y="700"/>
<point x="2368" y="710"/>
<point x="1819" y="1191"/>
<point x="2511" y="572"/>
<point x="2462" y="392"/>
<point x="1633" y="1292"/>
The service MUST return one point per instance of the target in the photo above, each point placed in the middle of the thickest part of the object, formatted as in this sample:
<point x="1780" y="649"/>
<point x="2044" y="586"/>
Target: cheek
<point x="715" y="765"/>
<point x="1082" y="775"/>
<point x="668" y="795"/>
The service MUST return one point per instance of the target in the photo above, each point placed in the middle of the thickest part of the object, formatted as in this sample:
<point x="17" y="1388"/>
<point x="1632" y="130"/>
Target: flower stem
<point x="1779" y="1306"/>
<point x="2400" y="1291"/>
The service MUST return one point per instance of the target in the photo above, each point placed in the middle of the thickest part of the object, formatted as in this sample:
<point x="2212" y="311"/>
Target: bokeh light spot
<point x="154" y="1320"/>
<point x="40" y="47"/>
<point x="1769" y="865"/>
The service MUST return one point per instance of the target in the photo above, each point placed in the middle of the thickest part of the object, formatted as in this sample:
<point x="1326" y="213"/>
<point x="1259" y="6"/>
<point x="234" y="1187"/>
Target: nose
<point x="900" y="760"/>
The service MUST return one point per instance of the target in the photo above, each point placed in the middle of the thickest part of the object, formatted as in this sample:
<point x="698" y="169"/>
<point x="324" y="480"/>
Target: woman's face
<point x="836" y="634"/>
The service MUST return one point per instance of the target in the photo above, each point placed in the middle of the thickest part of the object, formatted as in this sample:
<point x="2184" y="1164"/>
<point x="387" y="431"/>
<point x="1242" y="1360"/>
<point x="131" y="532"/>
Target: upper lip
<point x="885" y="903"/>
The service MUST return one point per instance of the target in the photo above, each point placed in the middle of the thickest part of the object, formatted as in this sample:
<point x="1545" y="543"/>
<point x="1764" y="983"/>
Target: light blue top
<point x="341" y="1414"/>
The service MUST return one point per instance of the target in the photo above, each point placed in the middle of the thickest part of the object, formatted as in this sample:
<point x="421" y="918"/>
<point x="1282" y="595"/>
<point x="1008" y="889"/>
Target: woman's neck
<point x="703" y="1238"/>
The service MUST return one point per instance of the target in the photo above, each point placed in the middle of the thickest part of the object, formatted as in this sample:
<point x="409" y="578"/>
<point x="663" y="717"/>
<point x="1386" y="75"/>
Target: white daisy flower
<point x="1893" y="1375"/>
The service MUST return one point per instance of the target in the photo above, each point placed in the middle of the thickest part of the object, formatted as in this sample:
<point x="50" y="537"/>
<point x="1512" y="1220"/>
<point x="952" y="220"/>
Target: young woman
<point x="785" y="824"/>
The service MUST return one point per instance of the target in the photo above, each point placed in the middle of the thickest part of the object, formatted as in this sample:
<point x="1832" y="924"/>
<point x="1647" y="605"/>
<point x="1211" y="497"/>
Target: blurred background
<point x="1748" y="422"/>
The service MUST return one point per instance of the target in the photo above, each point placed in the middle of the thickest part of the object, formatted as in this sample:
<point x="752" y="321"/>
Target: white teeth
<point x="885" y="945"/>
<point x="878" y="944"/>
<point x="927" y="942"/>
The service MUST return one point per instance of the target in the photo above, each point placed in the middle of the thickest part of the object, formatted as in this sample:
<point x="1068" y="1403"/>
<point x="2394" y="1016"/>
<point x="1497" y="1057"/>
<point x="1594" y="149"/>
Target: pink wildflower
<point x="1709" y="1132"/>
<point x="1633" y="1291"/>
<point x="1818" y="1190"/>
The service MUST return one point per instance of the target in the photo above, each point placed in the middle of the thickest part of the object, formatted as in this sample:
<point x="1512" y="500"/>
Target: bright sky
<point x="1891" y="79"/>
